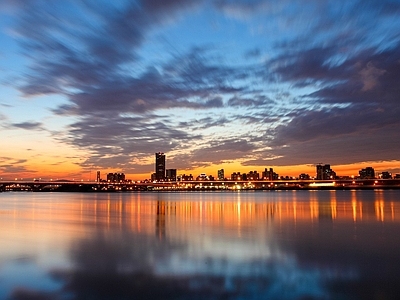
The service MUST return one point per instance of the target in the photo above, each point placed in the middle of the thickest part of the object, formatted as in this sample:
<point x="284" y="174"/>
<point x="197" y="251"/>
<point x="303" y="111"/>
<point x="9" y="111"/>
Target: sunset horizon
<point x="232" y="84"/>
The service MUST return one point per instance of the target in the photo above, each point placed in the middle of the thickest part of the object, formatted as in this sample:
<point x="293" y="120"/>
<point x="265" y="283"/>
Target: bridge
<point x="94" y="186"/>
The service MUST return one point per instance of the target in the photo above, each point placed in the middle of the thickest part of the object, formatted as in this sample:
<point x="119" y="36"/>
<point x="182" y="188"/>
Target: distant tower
<point x="160" y="166"/>
<point x="98" y="179"/>
<point x="221" y="175"/>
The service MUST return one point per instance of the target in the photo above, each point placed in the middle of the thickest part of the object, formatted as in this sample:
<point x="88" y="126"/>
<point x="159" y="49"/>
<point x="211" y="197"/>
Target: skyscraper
<point x="160" y="166"/>
<point x="221" y="174"/>
<point x="269" y="175"/>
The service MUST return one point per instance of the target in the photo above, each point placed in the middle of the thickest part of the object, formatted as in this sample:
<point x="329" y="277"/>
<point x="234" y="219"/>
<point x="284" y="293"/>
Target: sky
<point x="89" y="85"/>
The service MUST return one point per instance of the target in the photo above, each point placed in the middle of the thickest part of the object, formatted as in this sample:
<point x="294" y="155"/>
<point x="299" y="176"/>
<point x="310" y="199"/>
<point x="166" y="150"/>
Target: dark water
<point x="245" y="245"/>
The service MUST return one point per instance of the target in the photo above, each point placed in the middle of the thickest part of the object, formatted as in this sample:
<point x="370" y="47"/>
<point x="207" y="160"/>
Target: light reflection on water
<point x="252" y="245"/>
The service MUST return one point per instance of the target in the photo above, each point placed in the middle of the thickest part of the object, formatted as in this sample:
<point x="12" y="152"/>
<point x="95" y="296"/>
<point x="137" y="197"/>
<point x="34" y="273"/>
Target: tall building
<point x="269" y="174"/>
<point x="98" y="178"/>
<point x="367" y="173"/>
<point x="170" y="175"/>
<point x="253" y="175"/>
<point x="324" y="172"/>
<point x="236" y="176"/>
<point x="115" y="177"/>
<point x="221" y="174"/>
<point x="160" y="166"/>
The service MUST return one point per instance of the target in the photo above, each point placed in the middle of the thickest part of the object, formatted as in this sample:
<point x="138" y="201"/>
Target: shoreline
<point x="208" y="189"/>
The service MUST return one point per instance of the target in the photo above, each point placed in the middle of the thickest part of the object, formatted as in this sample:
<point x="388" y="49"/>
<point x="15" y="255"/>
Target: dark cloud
<point x="185" y="82"/>
<point x="369" y="76"/>
<point x="4" y="158"/>
<point x="253" y="53"/>
<point x="355" y="106"/>
<point x="28" y="125"/>
<point x="346" y="149"/>
<point x="215" y="152"/>
<point x="89" y="67"/>
<point x="204" y="123"/>
<point x="214" y="103"/>
<point x="310" y="65"/>
<point x="162" y="6"/>
<point x="14" y="168"/>
<point x="335" y="122"/>
<point x="121" y="142"/>
<point x="93" y="70"/>
<point x="256" y="101"/>
<point x="22" y="293"/>
<point x="341" y="82"/>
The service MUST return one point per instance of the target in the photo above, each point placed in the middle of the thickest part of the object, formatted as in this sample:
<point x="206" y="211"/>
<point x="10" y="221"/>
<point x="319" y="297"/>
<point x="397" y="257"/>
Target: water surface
<point x="200" y="245"/>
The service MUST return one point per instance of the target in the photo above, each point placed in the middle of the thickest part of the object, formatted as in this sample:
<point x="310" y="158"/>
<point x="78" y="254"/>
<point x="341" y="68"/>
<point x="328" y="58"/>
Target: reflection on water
<point x="252" y="245"/>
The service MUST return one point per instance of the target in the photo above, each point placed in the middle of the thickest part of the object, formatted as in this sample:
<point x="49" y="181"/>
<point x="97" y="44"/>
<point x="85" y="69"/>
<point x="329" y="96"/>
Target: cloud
<point x="5" y="105"/>
<point x="122" y="142"/>
<point x="255" y="101"/>
<point x="21" y="293"/>
<point x="28" y="125"/>
<point x="214" y="152"/>
<point x="354" y="106"/>
<point x="335" y="122"/>
<point x="337" y="136"/>
<point x="253" y="53"/>
<point x="89" y="54"/>
<point x="204" y="123"/>
<point x="11" y="167"/>
<point x="346" y="149"/>
<point x="241" y="9"/>
<point x="89" y="66"/>
<point x="325" y="76"/>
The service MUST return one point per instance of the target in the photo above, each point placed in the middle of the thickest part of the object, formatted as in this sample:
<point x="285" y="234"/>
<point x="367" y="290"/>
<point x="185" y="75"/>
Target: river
<point x="200" y="245"/>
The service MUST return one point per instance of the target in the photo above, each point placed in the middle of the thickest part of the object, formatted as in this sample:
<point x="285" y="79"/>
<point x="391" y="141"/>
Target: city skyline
<point x="226" y="84"/>
<point x="161" y="174"/>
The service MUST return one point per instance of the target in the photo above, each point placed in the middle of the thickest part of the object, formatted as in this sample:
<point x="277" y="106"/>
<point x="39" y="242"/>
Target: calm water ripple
<point x="210" y="245"/>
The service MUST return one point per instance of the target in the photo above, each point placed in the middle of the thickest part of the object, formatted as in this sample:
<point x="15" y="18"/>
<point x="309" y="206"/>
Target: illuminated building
<point x="236" y="176"/>
<point x="269" y="174"/>
<point x="324" y="172"/>
<point x="221" y="174"/>
<point x="386" y="175"/>
<point x="160" y="166"/>
<point x="253" y="175"/>
<point x="202" y="177"/>
<point x="185" y="177"/>
<point x="304" y="176"/>
<point x="170" y="175"/>
<point x="115" y="177"/>
<point x="367" y="173"/>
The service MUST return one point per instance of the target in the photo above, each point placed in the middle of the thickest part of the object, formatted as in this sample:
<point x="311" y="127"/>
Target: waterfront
<point x="200" y="245"/>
